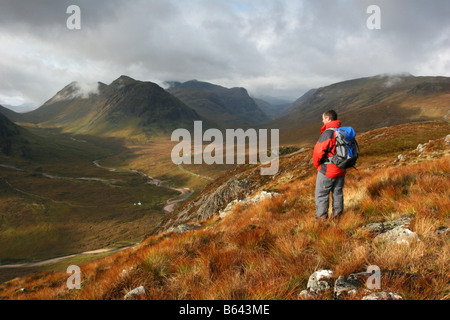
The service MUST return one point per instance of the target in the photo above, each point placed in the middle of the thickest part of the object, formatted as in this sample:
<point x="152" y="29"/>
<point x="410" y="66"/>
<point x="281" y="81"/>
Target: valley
<point x="83" y="177"/>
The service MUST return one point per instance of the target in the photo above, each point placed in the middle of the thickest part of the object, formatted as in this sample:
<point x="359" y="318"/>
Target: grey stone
<point x="442" y="231"/>
<point x="421" y="147"/>
<point x="183" y="228"/>
<point x="398" y="235"/>
<point x="318" y="283"/>
<point x="382" y="296"/>
<point x="247" y="201"/>
<point x="380" y="227"/>
<point x="135" y="292"/>
<point x="346" y="286"/>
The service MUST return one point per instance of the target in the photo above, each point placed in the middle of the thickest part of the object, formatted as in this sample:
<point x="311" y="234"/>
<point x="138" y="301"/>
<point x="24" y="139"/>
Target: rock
<point x="227" y="210"/>
<point x="304" y="294"/>
<point x="183" y="228"/>
<point x="398" y="235"/>
<point x="135" y="292"/>
<point x="346" y="286"/>
<point x="401" y="157"/>
<point x="380" y="227"/>
<point x="21" y="290"/>
<point x="126" y="272"/>
<point x="447" y="139"/>
<point x="379" y="135"/>
<point x="247" y="201"/>
<point x="382" y="296"/>
<point x="421" y="147"/>
<point x="318" y="283"/>
<point x="442" y="231"/>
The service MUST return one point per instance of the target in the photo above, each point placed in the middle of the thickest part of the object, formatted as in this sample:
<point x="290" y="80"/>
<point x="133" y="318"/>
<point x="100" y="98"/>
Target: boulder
<point x="346" y="286"/>
<point x="380" y="227"/>
<point x="135" y="292"/>
<point x="318" y="283"/>
<point x="398" y="235"/>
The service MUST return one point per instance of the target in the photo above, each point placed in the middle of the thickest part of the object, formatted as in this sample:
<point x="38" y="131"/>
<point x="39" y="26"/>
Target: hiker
<point x="330" y="178"/>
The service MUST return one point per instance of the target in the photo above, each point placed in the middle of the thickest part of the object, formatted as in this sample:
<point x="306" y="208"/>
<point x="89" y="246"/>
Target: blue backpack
<point x="346" y="148"/>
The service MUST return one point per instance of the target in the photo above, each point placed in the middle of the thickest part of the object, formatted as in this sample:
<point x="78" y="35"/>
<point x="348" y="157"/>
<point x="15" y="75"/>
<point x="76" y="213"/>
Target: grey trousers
<point x="324" y="186"/>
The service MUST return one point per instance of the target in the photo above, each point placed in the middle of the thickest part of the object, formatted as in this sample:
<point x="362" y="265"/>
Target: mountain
<point x="228" y="108"/>
<point x="11" y="114"/>
<point x="13" y="139"/>
<point x="126" y="107"/>
<point x="367" y="103"/>
<point x="20" y="108"/>
<point x="272" y="109"/>
<point x="298" y="102"/>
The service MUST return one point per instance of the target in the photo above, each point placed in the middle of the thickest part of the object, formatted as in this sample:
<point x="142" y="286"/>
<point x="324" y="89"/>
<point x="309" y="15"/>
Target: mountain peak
<point x="123" y="80"/>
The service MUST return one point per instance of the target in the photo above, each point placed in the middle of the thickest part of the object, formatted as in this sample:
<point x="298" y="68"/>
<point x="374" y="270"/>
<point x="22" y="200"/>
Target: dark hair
<point x="331" y="114"/>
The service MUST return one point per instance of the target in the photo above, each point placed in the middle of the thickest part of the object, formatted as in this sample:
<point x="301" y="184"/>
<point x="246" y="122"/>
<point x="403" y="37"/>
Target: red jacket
<point x="326" y="147"/>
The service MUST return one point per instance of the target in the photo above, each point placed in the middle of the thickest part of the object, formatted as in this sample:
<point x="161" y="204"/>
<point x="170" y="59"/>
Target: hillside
<point x="367" y="103"/>
<point x="13" y="139"/>
<point x="227" y="108"/>
<point x="267" y="246"/>
<point x="11" y="115"/>
<point x="124" y="108"/>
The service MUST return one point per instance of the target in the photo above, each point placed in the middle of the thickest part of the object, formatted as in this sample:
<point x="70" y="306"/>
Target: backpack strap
<point x="328" y="160"/>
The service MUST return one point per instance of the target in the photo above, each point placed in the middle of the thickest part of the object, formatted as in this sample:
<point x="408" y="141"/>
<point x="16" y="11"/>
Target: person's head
<point x="329" y="116"/>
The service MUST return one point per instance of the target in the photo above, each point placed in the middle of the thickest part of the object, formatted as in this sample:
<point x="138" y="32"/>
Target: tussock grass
<point x="269" y="250"/>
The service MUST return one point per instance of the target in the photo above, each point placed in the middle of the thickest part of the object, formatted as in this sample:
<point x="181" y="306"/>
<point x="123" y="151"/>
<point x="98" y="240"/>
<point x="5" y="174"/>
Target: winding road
<point x="185" y="193"/>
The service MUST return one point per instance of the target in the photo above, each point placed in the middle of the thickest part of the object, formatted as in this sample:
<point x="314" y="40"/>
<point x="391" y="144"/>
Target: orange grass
<point x="269" y="250"/>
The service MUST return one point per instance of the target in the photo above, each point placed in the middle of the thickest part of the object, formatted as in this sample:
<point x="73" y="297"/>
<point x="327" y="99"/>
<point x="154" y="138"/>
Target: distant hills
<point x="228" y="108"/>
<point x="367" y="103"/>
<point x="129" y="107"/>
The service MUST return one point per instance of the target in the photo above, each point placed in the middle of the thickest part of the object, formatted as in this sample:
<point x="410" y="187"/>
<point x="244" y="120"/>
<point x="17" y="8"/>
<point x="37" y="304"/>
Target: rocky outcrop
<point x="349" y="286"/>
<point x="321" y="282"/>
<point x="232" y="189"/>
<point x="381" y="227"/>
<point x="398" y="235"/>
<point x="209" y="204"/>
<point x="260" y="196"/>
<point x="393" y="231"/>
<point x="182" y="228"/>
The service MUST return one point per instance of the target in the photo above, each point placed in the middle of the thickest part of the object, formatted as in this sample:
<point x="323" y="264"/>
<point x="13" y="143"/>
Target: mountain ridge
<point x="227" y="107"/>
<point x="367" y="103"/>
<point x="127" y="105"/>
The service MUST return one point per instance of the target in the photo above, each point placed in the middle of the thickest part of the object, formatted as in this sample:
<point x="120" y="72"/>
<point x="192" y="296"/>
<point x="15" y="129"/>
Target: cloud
<point x="77" y="89"/>
<point x="281" y="48"/>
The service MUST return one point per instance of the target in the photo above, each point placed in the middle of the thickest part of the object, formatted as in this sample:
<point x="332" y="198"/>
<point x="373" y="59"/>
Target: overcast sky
<point x="271" y="47"/>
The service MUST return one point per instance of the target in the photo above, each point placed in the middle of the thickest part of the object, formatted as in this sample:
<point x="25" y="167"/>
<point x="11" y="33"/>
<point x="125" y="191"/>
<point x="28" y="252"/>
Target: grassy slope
<point x="367" y="104"/>
<point x="269" y="250"/>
